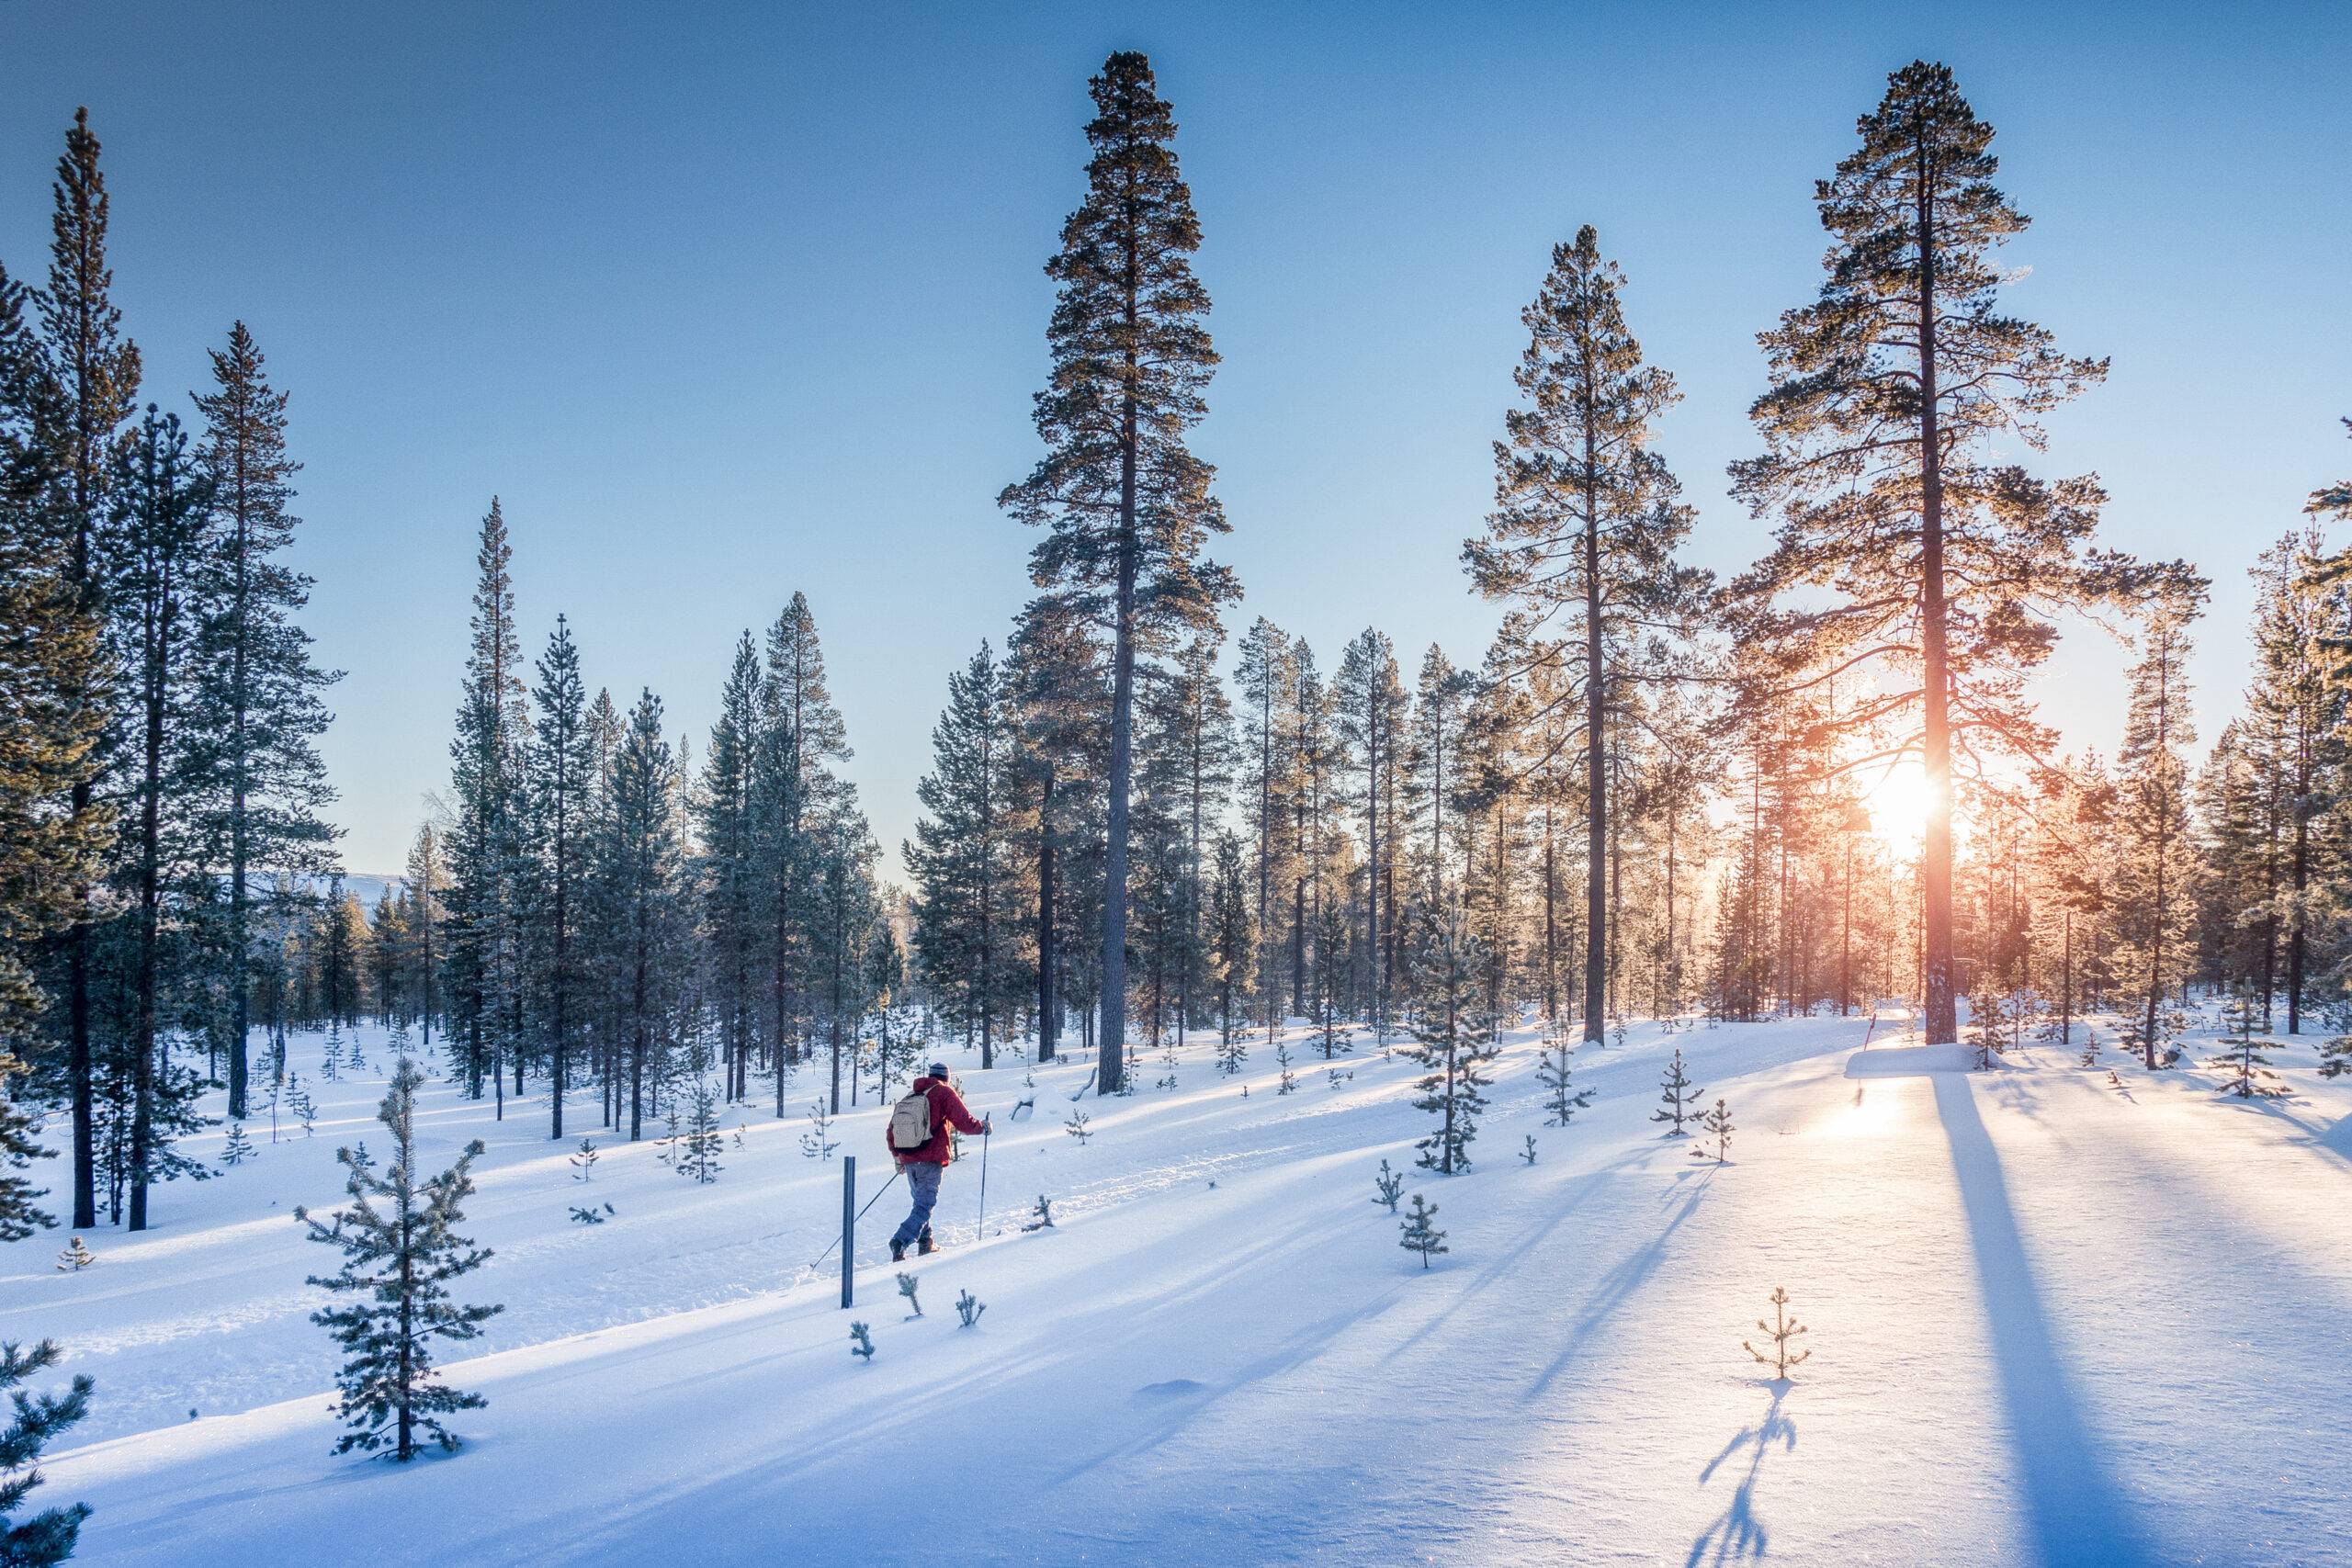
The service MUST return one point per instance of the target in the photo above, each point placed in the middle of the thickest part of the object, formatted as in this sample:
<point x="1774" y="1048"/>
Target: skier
<point x="918" y="1135"/>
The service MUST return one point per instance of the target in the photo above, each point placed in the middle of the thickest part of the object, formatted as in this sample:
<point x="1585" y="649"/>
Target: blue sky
<point x="727" y="302"/>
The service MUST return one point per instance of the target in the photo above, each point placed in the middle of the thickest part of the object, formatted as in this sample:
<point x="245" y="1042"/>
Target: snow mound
<point x="1910" y="1061"/>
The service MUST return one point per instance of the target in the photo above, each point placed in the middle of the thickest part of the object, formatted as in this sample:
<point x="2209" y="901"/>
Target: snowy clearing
<point x="2052" y="1319"/>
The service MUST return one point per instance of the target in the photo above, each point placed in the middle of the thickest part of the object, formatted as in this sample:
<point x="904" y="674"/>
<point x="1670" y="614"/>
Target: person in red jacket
<point x="927" y="1162"/>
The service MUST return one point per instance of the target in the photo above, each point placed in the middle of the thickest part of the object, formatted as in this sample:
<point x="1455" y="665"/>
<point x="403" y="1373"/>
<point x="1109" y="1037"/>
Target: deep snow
<point x="2052" y="1320"/>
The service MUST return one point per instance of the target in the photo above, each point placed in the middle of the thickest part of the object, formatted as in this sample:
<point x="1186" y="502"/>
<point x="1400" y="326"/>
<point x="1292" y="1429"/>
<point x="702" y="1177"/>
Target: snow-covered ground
<point x="2052" y="1319"/>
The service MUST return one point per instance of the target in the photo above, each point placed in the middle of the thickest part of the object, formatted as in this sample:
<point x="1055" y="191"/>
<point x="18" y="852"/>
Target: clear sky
<point x="726" y="301"/>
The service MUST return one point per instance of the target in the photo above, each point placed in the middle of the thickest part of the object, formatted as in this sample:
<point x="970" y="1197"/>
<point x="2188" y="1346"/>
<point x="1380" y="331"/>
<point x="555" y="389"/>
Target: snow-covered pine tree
<point x="861" y="1342"/>
<point x="1527" y="1149"/>
<point x="1781" y="1330"/>
<point x="1127" y="504"/>
<point x="907" y="1286"/>
<point x="402" y="1253"/>
<point x="1676" y="1093"/>
<point x="1232" y="951"/>
<point x="1987" y="1027"/>
<point x="48" y="1537"/>
<point x="1388" y="1187"/>
<point x="257" y="693"/>
<point x="1453" y="1037"/>
<point x="700" y="1157"/>
<point x="1289" y="1079"/>
<point x="1556" y="1072"/>
<point x="558" y="766"/>
<point x="1715" y="1124"/>
<point x="300" y="1105"/>
<point x="1420" y="1235"/>
<point x="968" y="1307"/>
<point x="1042" y="1216"/>
<point x="75" y="1258"/>
<point x="19" y="1145"/>
<point x="1892" y="395"/>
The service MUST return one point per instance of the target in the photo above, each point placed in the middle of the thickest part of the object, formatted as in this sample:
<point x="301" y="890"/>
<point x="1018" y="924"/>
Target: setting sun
<point x="1897" y="804"/>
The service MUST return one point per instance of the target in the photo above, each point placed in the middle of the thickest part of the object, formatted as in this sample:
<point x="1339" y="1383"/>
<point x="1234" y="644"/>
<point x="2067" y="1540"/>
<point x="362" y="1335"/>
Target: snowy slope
<point x="2052" y="1320"/>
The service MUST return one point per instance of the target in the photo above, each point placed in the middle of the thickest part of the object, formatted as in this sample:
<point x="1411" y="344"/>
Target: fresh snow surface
<point x="2052" y="1319"/>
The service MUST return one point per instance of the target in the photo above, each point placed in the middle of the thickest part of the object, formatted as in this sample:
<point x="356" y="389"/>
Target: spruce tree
<point x="1582" y="539"/>
<point x="402" y="1253"/>
<point x="1421" y="1235"/>
<point x="1232" y="946"/>
<point x="1056" y="684"/>
<point x="95" y="371"/>
<point x="1266" y="672"/>
<point x="1906" y="549"/>
<point x="423" y="886"/>
<point x="1554" y="1071"/>
<point x="802" y="736"/>
<point x="50" y="1536"/>
<point x="257" y="692"/>
<point x="641" y="867"/>
<point x="1126" y="503"/>
<point x="1452" y="1034"/>
<point x="1373" y="712"/>
<point x="728" y="812"/>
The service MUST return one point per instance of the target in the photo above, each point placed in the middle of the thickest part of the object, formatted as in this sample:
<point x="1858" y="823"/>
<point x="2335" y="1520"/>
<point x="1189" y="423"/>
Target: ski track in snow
<point x="2053" y="1322"/>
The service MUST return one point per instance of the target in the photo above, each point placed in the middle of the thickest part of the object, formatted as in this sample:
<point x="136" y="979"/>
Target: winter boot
<point x="924" y="1246"/>
<point x="897" y="1252"/>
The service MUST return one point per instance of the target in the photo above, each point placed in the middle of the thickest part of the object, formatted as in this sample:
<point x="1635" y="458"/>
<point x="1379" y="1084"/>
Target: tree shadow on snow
<point x="1737" y="1532"/>
<point x="2073" y="1513"/>
<point x="1621" y="1281"/>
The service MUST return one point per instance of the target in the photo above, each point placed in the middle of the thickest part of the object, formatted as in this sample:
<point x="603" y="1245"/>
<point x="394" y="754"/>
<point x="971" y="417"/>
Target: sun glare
<point x="1898" y="806"/>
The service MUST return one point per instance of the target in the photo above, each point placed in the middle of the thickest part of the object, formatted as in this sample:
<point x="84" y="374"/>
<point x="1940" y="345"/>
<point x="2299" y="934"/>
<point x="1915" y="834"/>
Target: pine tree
<point x="1061" y="696"/>
<point x="52" y="831"/>
<point x="818" y="1143"/>
<point x="1582" y="539"/>
<point x="583" y="1161"/>
<point x="1127" y="504"/>
<point x="94" y="371"/>
<point x="1944" y="570"/>
<point x="1453" y="1035"/>
<point x="238" y="1148"/>
<point x="1420" y="1235"/>
<point x="48" y="1537"/>
<point x="1389" y="1186"/>
<point x="700" y="1159"/>
<point x="2246" y="1065"/>
<point x="1232" y="948"/>
<point x="258" y="694"/>
<point x="560" y="775"/>
<point x="2155" y="893"/>
<point x="1373" y="715"/>
<point x="1075" y="1126"/>
<point x="1562" y="1101"/>
<point x="1781" y="1330"/>
<point x="642" y="868"/>
<point x="1676" y="1093"/>
<point x="969" y="904"/>
<point x="1267" y="672"/>
<point x="1717" y="1124"/>
<point x="425" y="880"/>
<point x="1987" y="1026"/>
<point x="802" y="736"/>
<point x="402" y="1253"/>
<point x="163" y="527"/>
<point x="728" y="816"/>
<point x="75" y="1258"/>
<point x="487" y="767"/>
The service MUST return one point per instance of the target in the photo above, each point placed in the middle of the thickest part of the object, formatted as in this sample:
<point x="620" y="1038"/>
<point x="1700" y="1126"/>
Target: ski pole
<point x="860" y="1213"/>
<point x="987" y="1129"/>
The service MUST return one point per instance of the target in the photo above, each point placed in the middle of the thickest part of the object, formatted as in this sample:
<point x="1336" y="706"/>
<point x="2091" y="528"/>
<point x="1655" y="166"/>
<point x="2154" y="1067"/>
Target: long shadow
<point x="1618" y="1284"/>
<point x="2073" y="1513"/>
<point x="1738" y="1532"/>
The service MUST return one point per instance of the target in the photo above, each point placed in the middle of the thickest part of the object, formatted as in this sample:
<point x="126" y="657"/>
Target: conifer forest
<point x="1809" y="893"/>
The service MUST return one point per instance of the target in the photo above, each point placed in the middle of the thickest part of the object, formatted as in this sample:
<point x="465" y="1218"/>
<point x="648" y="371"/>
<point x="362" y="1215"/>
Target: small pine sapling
<point x="700" y="1159"/>
<point x="75" y="1258"/>
<point x="1527" y="1151"/>
<point x="968" y="1307"/>
<point x="1717" y="1124"/>
<point x="1338" y="1078"/>
<point x="583" y="1161"/>
<point x="1987" y="1025"/>
<point x="1231" y="1051"/>
<point x="818" y="1143"/>
<point x="1678" y="1094"/>
<point x="47" y="1536"/>
<point x="1390" y="1185"/>
<point x="1781" y="1329"/>
<point x="2090" y="1046"/>
<point x="908" y="1285"/>
<point x="2246" y="1065"/>
<point x="401" y="1254"/>
<point x="1042" y="1216"/>
<point x="331" y="1068"/>
<point x="239" y="1148"/>
<point x="1290" y="1080"/>
<point x="1421" y="1235"/>
<point x="861" y="1343"/>
<point x="582" y="1215"/>
<point x="1562" y="1101"/>
<point x="356" y="1060"/>
<point x="297" y="1100"/>
<point x="1075" y="1126"/>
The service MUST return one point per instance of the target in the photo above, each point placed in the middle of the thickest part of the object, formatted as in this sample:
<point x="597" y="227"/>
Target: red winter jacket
<point x="947" y="1110"/>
